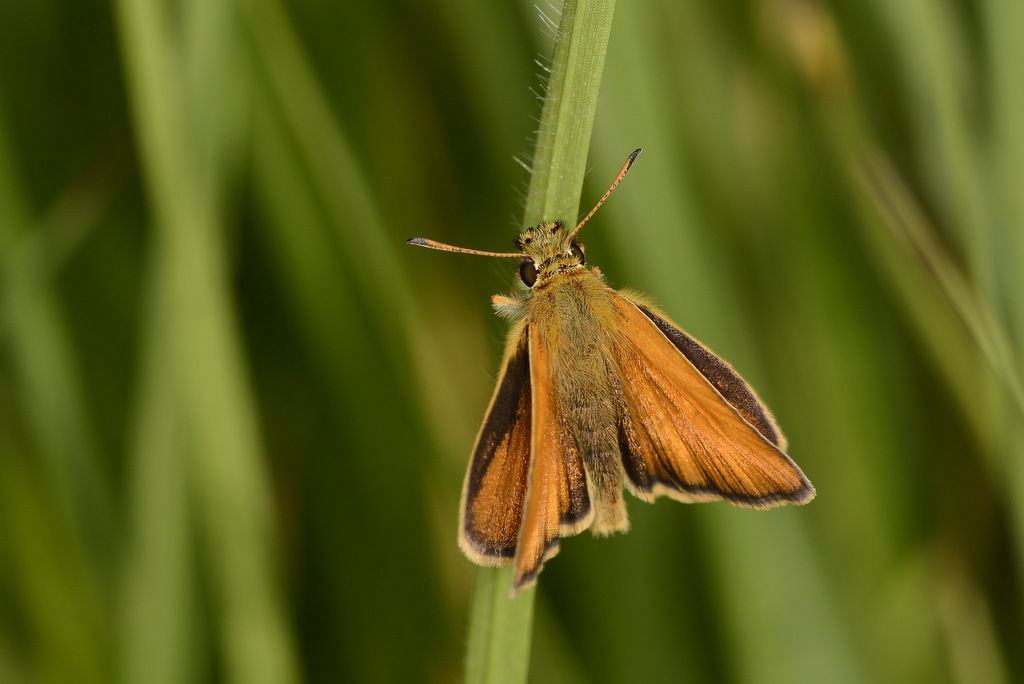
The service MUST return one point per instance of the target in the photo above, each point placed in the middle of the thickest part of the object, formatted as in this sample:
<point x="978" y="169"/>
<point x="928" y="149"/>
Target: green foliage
<point x="235" y="409"/>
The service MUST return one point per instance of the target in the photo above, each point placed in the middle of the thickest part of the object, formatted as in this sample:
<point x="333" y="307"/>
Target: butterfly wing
<point x="557" y="503"/>
<point x="526" y="485"/>
<point x="494" y="491"/>
<point x="690" y="427"/>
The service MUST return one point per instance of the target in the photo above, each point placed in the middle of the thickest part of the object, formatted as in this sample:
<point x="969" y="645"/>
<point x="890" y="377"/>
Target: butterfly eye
<point x="577" y="251"/>
<point x="528" y="272"/>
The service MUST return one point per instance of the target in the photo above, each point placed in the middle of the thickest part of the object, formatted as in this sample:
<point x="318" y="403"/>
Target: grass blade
<point x="499" y="628"/>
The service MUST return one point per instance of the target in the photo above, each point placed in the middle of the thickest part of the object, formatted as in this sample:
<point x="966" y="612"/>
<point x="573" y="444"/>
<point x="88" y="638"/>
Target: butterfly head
<point x="549" y="249"/>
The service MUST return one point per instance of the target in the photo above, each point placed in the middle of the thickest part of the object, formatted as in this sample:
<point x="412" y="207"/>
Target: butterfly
<point x="600" y="391"/>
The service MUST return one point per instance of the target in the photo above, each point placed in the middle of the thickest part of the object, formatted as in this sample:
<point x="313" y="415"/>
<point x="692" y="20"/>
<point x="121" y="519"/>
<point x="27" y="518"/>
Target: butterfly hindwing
<point x="689" y="426"/>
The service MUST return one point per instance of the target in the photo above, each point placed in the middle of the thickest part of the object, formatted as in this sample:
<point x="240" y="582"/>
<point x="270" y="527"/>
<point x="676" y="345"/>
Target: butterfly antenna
<point x="622" y="174"/>
<point x="433" y="244"/>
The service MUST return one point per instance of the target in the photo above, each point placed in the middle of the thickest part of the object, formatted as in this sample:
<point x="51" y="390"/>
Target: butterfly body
<point x="598" y="392"/>
<point x="569" y="310"/>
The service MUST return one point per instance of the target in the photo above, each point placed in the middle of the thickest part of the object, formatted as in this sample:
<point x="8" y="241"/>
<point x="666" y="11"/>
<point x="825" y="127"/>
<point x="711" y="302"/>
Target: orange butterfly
<point x="598" y="388"/>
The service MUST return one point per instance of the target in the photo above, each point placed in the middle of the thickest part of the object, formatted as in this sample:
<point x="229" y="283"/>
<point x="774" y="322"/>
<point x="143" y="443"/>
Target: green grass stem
<point x="498" y="645"/>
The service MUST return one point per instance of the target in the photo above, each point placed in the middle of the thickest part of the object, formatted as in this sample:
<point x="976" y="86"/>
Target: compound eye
<point x="577" y="251"/>
<point x="528" y="272"/>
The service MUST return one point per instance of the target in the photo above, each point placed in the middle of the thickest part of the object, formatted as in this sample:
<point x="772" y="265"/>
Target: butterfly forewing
<point x="682" y="436"/>
<point x="719" y="373"/>
<point x="495" y="488"/>
<point x="557" y="503"/>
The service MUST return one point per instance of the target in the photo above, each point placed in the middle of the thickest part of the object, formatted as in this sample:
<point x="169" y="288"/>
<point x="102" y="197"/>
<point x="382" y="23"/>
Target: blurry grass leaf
<point x="208" y="389"/>
<point x="903" y="215"/>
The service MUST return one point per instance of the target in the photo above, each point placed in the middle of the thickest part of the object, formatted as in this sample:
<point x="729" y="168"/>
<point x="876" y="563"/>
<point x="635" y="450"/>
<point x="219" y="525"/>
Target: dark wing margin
<point x="494" y="491"/>
<point x="721" y="375"/>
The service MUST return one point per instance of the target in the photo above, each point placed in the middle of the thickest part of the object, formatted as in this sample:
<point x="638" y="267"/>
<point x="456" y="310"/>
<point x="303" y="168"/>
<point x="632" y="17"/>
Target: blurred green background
<point x="235" y="409"/>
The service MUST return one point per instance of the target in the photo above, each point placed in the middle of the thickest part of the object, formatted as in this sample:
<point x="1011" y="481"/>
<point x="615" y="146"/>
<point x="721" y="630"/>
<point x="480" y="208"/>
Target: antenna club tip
<point x="636" y="153"/>
<point x="416" y="241"/>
